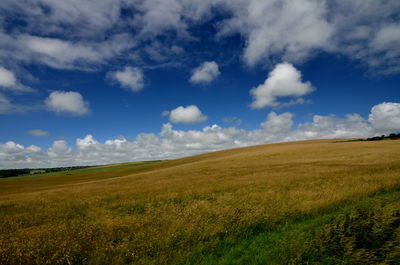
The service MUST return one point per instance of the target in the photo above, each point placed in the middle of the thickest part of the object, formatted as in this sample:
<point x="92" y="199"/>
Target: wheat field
<point x="178" y="211"/>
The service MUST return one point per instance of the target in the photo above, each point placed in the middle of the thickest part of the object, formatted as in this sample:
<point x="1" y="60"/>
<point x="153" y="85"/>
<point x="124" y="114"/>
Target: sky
<point x="103" y="81"/>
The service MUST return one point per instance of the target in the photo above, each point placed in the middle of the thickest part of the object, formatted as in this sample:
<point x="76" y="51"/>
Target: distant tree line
<point x="6" y="173"/>
<point x="392" y="136"/>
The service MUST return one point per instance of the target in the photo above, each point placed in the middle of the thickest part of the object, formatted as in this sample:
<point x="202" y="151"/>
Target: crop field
<point x="310" y="202"/>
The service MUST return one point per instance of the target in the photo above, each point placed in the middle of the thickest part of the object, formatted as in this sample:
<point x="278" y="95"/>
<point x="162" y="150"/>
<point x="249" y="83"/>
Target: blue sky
<point x="98" y="82"/>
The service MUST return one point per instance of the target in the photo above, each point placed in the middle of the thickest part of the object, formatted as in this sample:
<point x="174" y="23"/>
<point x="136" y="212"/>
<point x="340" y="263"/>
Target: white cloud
<point x="68" y="103"/>
<point x="53" y="17"/>
<point x="62" y="53"/>
<point x="158" y="16"/>
<point x="58" y="154"/>
<point x="8" y="81"/>
<point x="38" y="132"/>
<point x="59" y="147"/>
<point x="354" y="117"/>
<point x="65" y="54"/>
<point x="283" y="81"/>
<point x="364" y="30"/>
<point x="7" y="78"/>
<point x="205" y="73"/>
<point x="371" y="38"/>
<point x="278" y="123"/>
<point x="273" y="30"/>
<point x="387" y="38"/>
<point x="172" y="143"/>
<point x="330" y="127"/>
<point x="189" y="114"/>
<point x="289" y="29"/>
<point x="130" y="77"/>
<point x="55" y="52"/>
<point x="86" y="142"/>
<point x="385" y="117"/>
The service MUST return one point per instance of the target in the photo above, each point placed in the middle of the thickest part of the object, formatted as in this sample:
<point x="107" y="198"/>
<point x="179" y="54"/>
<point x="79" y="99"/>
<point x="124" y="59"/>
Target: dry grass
<point x="158" y="213"/>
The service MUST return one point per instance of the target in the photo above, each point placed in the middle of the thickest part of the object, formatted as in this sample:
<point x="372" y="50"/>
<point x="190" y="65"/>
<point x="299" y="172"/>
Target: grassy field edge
<point x="293" y="241"/>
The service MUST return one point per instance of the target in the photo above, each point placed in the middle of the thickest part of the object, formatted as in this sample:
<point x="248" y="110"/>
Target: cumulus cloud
<point x="38" y="132"/>
<point x="131" y="78"/>
<point x="189" y="114"/>
<point x="385" y="117"/>
<point x="278" y="123"/>
<point x="59" y="147"/>
<point x="331" y="127"/>
<point x="205" y="73"/>
<point x="283" y="81"/>
<point x="70" y="102"/>
<point x="171" y="143"/>
<point x="86" y="142"/>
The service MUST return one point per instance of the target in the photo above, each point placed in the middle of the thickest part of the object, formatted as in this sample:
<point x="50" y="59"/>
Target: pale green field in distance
<point x="88" y="169"/>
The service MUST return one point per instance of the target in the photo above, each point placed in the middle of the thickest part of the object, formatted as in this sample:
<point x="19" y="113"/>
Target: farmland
<point x="268" y="204"/>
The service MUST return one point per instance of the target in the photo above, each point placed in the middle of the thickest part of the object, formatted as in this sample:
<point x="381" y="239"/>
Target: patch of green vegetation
<point x="359" y="237"/>
<point x="362" y="232"/>
<point x="85" y="170"/>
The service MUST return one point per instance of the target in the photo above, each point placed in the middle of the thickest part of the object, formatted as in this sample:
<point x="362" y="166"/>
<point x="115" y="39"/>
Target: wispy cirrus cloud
<point x="274" y="31"/>
<point x="38" y="132"/>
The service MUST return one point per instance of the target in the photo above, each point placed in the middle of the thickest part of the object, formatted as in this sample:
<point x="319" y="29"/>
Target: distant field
<point x="84" y="170"/>
<point x="310" y="202"/>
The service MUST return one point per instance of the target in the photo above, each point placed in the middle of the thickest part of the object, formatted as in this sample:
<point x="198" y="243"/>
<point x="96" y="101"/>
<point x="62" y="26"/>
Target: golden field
<point x="169" y="211"/>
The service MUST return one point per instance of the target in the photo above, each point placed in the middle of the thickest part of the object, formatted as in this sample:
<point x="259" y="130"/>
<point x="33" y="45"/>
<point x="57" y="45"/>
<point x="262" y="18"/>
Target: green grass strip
<point x="287" y="243"/>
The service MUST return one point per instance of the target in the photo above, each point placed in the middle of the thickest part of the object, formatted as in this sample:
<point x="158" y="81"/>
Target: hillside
<point x="271" y="204"/>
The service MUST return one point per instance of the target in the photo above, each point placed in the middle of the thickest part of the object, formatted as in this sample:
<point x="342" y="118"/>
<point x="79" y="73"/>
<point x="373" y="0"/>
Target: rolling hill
<point x="320" y="201"/>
